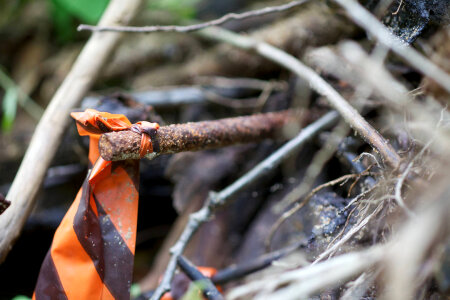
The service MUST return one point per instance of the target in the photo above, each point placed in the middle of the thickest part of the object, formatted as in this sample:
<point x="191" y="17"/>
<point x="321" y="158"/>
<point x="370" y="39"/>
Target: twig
<point x="207" y="287"/>
<point x="401" y="180"/>
<point x="200" y="92"/>
<point x="359" y="196"/>
<point x="374" y="73"/>
<point x="344" y="228"/>
<point x="372" y="157"/>
<point x="398" y="8"/>
<point x="357" y="288"/>
<point x="196" y="136"/>
<point x="355" y="120"/>
<point x="315" y="167"/>
<point x="421" y="235"/>
<point x="216" y="200"/>
<point x="398" y="189"/>
<point x="350" y="115"/>
<point x="165" y="97"/>
<point x="366" y="20"/>
<point x="52" y="125"/>
<point x="244" y="83"/>
<point x="239" y="271"/>
<point x="305" y="282"/>
<point x="363" y="69"/>
<point x="249" y="103"/>
<point x="188" y="28"/>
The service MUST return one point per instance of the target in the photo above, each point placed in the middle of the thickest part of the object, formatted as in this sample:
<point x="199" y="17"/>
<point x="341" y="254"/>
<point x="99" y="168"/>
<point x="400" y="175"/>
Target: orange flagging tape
<point x="91" y="256"/>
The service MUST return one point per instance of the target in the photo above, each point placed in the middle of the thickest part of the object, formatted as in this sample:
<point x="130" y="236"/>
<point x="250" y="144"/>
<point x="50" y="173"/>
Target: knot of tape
<point x="93" y="123"/>
<point x="147" y="130"/>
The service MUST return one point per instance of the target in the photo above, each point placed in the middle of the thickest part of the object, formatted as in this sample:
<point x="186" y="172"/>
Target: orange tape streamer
<point x="92" y="253"/>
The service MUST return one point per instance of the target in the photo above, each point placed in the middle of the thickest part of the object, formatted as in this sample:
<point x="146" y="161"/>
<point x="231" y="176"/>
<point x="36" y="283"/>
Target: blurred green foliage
<point x="66" y="15"/>
<point x="194" y="291"/>
<point x="9" y="108"/>
<point x="66" y="12"/>
<point x="12" y="97"/>
<point x="181" y="9"/>
<point x="88" y="11"/>
<point x="20" y="297"/>
<point x="9" y="101"/>
<point x="135" y="290"/>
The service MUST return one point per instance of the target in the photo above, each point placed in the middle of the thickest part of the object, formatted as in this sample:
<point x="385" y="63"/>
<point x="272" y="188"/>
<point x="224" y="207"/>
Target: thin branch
<point x="315" y="167"/>
<point x="238" y="271"/>
<point x="196" y="136"/>
<point x="207" y="287"/>
<point x="421" y="235"/>
<point x="359" y="196"/>
<point x="398" y="190"/>
<point x="398" y="8"/>
<point x="205" y="89"/>
<point x="350" y="115"/>
<point x="369" y="22"/>
<point x="51" y="127"/>
<point x="355" y="120"/>
<point x="358" y="288"/>
<point x="304" y="282"/>
<point x="194" y="27"/>
<point x="401" y="180"/>
<point x="374" y="73"/>
<point x="216" y="200"/>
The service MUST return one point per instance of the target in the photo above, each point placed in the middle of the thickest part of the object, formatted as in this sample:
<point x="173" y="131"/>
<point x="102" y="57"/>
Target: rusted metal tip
<point x="196" y="136"/>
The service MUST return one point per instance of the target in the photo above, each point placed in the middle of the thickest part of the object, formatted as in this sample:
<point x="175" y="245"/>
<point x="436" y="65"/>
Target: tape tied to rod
<point x="147" y="130"/>
<point x="97" y="236"/>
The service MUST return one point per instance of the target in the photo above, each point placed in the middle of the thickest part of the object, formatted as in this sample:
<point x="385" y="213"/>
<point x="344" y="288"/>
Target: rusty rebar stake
<point x="196" y="136"/>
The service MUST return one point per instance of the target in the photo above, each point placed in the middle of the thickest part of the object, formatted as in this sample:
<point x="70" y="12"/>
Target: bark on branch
<point x="199" y="135"/>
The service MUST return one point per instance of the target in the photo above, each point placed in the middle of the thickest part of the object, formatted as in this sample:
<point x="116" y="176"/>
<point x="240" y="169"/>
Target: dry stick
<point x="421" y="235"/>
<point x="350" y="115"/>
<point x="185" y="95"/>
<point x="209" y="290"/>
<point x="235" y="272"/>
<point x="366" y="20"/>
<point x="194" y="27"/>
<point x="196" y="136"/>
<point x="216" y="200"/>
<point x="358" y="288"/>
<point x="52" y="125"/>
<point x="374" y="73"/>
<point x="304" y="282"/>
<point x="314" y="168"/>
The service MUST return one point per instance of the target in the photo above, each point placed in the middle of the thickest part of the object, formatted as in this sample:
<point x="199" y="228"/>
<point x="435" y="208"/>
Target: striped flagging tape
<point x="91" y="256"/>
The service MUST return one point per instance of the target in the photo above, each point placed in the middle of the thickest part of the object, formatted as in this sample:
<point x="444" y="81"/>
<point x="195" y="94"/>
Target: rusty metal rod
<point x="196" y="136"/>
